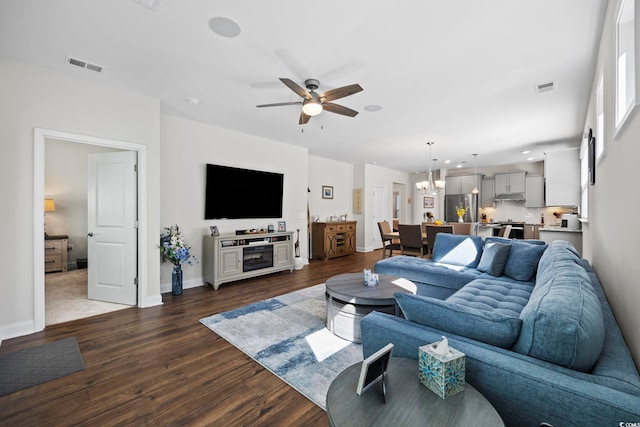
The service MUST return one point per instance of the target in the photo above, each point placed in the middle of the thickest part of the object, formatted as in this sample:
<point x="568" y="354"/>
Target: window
<point x="584" y="179"/>
<point x="600" y="118"/>
<point x="626" y="99"/>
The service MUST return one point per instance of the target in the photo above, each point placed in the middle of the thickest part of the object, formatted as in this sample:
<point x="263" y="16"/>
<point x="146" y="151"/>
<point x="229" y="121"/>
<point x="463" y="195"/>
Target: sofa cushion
<point x="522" y="263"/>
<point x="486" y="326"/>
<point x="455" y="249"/>
<point x="421" y="270"/>
<point x="494" y="257"/>
<point x="563" y="321"/>
<point x="499" y="296"/>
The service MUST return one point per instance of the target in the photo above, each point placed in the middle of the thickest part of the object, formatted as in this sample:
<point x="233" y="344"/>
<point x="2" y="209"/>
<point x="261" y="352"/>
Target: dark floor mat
<point x="33" y="366"/>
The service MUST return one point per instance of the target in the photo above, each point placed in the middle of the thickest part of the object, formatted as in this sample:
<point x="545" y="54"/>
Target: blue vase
<point x="176" y="280"/>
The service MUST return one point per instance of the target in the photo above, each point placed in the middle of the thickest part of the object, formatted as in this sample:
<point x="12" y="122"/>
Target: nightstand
<point x="55" y="253"/>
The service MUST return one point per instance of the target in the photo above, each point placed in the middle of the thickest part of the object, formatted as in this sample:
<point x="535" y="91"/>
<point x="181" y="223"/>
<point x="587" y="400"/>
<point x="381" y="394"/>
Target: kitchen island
<point x="551" y="233"/>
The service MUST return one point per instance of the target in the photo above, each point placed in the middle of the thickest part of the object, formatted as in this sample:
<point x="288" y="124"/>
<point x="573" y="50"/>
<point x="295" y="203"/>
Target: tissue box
<point x="442" y="374"/>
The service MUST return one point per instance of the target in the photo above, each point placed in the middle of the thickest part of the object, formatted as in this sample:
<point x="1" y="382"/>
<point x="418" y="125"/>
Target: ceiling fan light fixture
<point x="311" y="107"/>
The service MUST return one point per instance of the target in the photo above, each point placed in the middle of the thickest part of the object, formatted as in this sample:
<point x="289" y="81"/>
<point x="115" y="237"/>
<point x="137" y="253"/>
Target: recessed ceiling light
<point x="530" y="158"/>
<point x="525" y="151"/>
<point x="458" y="165"/>
<point x="193" y="101"/>
<point x="223" y="26"/>
<point x="373" y="108"/>
<point x="447" y="161"/>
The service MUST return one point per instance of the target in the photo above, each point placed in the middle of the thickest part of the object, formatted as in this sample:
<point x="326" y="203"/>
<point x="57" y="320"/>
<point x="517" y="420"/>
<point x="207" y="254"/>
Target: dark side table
<point x="409" y="403"/>
<point x="350" y="300"/>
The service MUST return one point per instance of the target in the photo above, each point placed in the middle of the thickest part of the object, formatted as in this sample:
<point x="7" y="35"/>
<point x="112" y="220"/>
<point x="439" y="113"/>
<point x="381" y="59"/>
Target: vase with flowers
<point x="461" y="211"/>
<point x="176" y="251"/>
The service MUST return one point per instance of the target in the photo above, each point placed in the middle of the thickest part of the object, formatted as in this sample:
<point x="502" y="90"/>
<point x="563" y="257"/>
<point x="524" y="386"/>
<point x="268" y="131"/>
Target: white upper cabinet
<point x="510" y="182"/>
<point x="488" y="193"/>
<point x="534" y="194"/>
<point x="463" y="184"/>
<point x="562" y="177"/>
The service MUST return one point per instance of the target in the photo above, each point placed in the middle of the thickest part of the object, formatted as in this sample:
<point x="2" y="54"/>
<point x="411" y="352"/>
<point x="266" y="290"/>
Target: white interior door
<point x="112" y="216"/>
<point x="379" y="211"/>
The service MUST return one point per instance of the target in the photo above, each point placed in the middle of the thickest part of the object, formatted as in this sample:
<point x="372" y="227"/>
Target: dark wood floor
<point x="161" y="366"/>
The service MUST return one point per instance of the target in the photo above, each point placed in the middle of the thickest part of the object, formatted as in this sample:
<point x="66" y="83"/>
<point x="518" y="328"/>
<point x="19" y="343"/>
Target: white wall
<point x="66" y="165"/>
<point x="611" y="238"/>
<point x="339" y="175"/>
<point x="371" y="176"/>
<point x="187" y="147"/>
<point x="35" y="97"/>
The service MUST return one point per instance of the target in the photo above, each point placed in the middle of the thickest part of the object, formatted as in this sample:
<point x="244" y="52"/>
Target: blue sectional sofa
<point x="541" y="342"/>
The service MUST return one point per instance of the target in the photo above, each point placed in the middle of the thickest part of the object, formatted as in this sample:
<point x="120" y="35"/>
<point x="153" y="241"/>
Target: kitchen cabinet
<point x="462" y="184"/>
<point x="488" y="193"/>
<point x="532" y="231"/>
<point x="510" y="182"/>
<point x="333" y="239"/>
<point x="534" y="192"/>
<point x="562" y="177"/>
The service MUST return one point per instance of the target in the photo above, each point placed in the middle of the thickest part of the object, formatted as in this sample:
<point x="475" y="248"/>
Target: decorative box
<point x="442" y="374"/>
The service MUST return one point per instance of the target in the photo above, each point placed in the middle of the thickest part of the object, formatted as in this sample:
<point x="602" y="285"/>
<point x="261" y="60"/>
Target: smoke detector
<point x="84" y="64"/>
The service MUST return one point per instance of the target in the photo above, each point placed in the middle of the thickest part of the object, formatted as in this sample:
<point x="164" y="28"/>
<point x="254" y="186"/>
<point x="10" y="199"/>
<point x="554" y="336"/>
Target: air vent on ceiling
<point x="545" y="87"/>
<point x="84" y="64"/>
<point x="150" y="4"/>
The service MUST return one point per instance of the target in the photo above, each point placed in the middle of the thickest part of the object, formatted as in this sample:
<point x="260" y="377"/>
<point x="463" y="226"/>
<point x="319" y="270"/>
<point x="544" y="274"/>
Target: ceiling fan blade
<point x="339" y="109"/>
<point x="304" y="118"/>
<point x="280" y="104"/>
<point x="341" y="92"/>
<point x="296" y="88"/>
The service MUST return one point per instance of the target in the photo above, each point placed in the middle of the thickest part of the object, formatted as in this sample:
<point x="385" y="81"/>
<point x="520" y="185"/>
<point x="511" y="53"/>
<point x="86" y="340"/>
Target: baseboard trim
<point x="17" y="329"/>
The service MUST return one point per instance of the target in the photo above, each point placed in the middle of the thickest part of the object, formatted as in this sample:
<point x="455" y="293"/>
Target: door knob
<point x="90" y="234"/>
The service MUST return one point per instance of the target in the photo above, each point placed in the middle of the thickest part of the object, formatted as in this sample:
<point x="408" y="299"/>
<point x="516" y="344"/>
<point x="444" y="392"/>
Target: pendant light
<point x="429" y="186"/>
<point x="475" y="173"/>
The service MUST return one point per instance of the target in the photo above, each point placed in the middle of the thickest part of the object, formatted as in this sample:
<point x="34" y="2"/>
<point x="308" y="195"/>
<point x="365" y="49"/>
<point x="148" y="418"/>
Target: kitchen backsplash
<point x="517" y="212"/>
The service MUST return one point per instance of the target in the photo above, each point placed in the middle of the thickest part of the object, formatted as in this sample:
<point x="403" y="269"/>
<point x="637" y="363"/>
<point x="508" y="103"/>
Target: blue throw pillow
<point x="494" y="257"/>
<point x="523" y="260"/>
<point x="457" y="249"/>
<point x="480" y="325"/>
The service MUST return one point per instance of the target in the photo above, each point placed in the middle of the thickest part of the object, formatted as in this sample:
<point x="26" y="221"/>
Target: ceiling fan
<point x="314" y="103"/>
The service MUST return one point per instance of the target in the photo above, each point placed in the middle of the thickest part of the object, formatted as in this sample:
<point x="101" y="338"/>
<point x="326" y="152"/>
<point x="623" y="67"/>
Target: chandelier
<point x="430" y="188"/>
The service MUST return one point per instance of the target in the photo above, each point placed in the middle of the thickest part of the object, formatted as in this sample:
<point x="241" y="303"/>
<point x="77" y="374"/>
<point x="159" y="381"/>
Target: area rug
<point x="287" y="335"/>
<point x="33" y="366"/>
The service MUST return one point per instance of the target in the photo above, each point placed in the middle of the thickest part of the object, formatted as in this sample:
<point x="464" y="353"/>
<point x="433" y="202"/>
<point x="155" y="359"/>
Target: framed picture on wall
<point x="428" y="202"/>
<point x="327" y="192"/>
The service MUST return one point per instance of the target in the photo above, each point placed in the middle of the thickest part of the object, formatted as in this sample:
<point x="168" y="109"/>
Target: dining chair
<point x="505" y="231"/>
<point x="432" y="230"/>
<point x="387" y="243"/>
<point x="411" y="242"/>
<point x="466" y="228"/>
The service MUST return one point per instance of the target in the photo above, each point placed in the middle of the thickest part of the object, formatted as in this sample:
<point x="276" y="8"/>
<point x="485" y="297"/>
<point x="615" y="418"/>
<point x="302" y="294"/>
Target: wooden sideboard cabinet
<point x="230" y="257"/>
<point x="333" y="239"/>
<point x="55" y="253"/>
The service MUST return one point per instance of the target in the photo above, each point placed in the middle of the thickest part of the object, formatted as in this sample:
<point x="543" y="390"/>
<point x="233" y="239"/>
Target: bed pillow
<point x="485" y="326"/>
<point x="494" y="257"/>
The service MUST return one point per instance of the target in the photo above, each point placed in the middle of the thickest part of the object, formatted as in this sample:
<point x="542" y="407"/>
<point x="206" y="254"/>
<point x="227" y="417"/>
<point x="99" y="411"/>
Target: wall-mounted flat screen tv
<point x="234" y="193"/>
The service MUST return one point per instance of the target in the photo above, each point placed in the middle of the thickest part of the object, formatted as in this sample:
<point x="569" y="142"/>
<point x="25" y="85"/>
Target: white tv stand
<point x="231" y="257"/>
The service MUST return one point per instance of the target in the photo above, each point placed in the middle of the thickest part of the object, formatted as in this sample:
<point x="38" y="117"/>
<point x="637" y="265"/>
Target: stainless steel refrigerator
<point x="468" y="201"/>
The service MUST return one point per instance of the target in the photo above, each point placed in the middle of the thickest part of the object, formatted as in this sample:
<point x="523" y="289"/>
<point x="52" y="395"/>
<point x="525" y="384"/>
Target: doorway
<point x="40" y="138"/>
<point x="67" y="187"/>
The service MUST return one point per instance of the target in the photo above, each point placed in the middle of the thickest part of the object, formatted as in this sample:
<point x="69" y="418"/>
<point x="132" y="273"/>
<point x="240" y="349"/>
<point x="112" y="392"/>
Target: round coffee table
<point x="350" y="300"/>
<point x="409" y="403"/>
